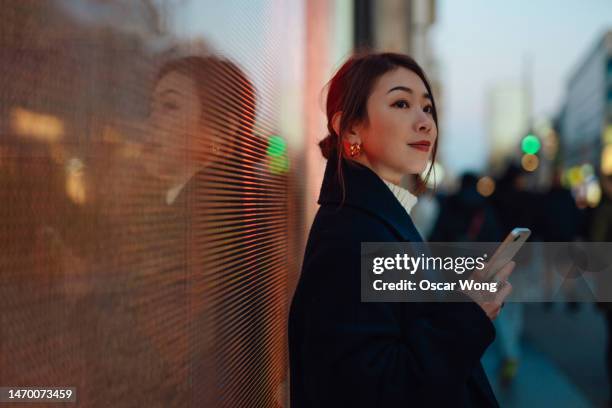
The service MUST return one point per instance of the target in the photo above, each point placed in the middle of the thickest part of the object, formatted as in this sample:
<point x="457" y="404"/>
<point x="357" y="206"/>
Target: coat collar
<point x="365" y="190"/>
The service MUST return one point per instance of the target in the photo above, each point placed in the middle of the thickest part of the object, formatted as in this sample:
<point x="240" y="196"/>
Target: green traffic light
<point x="276" y="146"/>
<point x="530" y="144"/>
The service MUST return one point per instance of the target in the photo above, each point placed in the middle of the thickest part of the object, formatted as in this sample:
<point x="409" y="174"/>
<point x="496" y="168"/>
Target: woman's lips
<point x="422" y="145"/>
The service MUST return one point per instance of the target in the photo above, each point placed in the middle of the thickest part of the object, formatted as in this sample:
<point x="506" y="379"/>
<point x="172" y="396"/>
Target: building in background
<point x="401" y="26"/>
<point x="329" y="41"/>
<point x="508" y="121"/>
<point x="396" y="25"/>
<point x="585" y="122"/>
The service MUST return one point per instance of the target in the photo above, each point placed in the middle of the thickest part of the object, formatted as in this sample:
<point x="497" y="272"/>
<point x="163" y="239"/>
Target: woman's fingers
<point x="492" y="303"/>
<point x="479" y="274"/>
<point x="491" y="309"/>
<point x="502" y="274"/>
<point x="505" y="272"/>
<point x="503" y="293"/>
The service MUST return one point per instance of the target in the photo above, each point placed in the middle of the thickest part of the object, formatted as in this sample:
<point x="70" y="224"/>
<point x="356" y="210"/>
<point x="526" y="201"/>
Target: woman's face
<point x="400" y="132"/>
<point x="174" y="124"/>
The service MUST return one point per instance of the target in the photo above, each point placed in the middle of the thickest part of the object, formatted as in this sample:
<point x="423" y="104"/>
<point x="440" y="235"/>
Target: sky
<point x="480" y="43"/>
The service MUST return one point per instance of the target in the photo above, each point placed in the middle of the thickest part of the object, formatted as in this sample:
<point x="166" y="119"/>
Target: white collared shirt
<point x="405" y="197"/>
<point x="173" y="192"/>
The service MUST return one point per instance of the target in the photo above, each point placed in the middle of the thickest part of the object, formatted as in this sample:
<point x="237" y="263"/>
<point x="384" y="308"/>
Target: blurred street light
<point x="38" y="126"/>
<point x="530" y="144"/>
<point x="574" y="176"/>
<point x="607" y="135"/>
<point x="530" y="162"/>
<point x="606" y="160"/>
<point x="276" y="146"/>
<point x="75" y="180"/>
<point x="485" y="186"/>
<point x="593" y="194"/>
<point x="278" y="161"/>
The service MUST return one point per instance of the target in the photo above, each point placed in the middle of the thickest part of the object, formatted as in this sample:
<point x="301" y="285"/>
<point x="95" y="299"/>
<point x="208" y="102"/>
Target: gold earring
<point x="355" y="149"/>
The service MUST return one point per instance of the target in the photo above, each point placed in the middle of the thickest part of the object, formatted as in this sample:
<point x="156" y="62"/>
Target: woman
<point x="382" y="124"/>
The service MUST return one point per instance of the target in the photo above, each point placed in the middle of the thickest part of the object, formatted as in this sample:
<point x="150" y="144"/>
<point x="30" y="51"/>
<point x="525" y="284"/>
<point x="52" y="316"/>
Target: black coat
<point x="345" y="353"/>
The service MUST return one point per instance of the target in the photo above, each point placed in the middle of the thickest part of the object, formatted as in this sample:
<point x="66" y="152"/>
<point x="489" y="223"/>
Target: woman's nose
<point x="423" y="123"/>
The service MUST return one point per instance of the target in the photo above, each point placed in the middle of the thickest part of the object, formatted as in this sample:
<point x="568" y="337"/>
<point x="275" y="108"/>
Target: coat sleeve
<point x="383" y="354"/>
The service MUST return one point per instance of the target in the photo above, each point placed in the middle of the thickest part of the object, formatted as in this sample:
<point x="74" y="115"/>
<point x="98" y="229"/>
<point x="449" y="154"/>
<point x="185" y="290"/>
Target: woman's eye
<point x="401" y="104"/>
<point x="428" y="109"/>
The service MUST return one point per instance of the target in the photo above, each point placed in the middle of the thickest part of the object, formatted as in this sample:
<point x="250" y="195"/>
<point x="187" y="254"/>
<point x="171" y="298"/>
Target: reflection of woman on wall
<point x="382" y="124"/>
<point x="202" y="115"/>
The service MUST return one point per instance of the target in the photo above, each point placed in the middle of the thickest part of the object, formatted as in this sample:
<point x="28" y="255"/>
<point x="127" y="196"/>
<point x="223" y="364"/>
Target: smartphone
<point x="507" y="250"/>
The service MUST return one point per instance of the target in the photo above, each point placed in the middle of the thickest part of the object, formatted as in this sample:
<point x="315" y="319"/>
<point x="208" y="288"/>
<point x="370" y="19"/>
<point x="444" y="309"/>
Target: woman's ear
<point x="350" y="136"/>
<point x="336" y="122"/>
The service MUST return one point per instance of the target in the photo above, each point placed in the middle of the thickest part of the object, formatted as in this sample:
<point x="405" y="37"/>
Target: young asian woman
<point x="382" y="124"/>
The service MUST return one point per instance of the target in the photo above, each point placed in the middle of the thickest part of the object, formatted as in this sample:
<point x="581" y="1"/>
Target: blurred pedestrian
<point x="558" y="204"/>
<point x="516" y="207"/>
<point x="467" y="216"/>
<point x="601" y="231"/>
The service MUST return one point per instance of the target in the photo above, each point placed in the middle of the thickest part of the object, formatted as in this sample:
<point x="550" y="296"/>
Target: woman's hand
<point x="492" y="304"/>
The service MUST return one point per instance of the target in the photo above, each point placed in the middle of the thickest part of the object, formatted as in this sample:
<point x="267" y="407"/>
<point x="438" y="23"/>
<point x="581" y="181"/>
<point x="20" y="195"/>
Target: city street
<point x="562" y="361"/>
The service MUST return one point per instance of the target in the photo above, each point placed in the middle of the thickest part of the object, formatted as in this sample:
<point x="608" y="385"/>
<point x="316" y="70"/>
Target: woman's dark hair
<point x="225" y="93"/>
<point x="349" y="90"/>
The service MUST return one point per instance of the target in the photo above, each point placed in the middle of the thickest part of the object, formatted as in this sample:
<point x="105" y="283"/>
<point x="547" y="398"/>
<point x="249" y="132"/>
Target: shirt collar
<point x="173" y="192"/>
<point x="405" y="197"/>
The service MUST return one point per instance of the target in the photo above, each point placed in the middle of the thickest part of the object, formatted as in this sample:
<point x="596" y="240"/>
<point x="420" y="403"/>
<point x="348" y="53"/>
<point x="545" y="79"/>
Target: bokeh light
<point x="593" y="194"/>
<point x="278" y="164"/>
<point x="530" y="162"/>
<point x="530" y="144"/>
<point x="575" y="176"/>
<point x="606" y="160"/>
<point x="276" y="146"/>
<point x="485" y="186"/>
